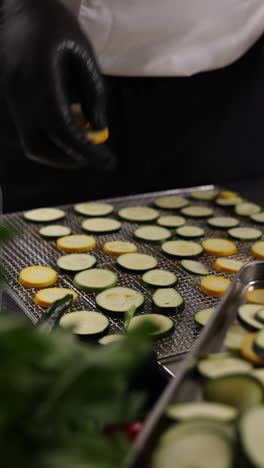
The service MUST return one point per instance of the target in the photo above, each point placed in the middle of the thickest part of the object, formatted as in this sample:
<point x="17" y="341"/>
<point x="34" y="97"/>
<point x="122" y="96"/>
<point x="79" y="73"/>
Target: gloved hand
<point x="47" y="63"/>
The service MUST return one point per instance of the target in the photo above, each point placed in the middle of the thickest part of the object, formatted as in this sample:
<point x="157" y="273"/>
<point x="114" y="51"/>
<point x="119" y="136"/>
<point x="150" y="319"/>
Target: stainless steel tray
<point x="185" y="387"/>
<point x="29" y="248"/>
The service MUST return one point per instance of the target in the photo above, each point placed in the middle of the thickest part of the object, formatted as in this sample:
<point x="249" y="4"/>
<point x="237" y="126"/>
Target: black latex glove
<point x="47" y="64"/>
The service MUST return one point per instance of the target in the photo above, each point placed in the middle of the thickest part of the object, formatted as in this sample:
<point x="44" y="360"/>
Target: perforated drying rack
<point x="29" y="248"/>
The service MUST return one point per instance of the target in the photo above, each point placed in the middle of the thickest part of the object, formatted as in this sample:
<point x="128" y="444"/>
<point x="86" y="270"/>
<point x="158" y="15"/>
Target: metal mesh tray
<point x="30" y="248"/>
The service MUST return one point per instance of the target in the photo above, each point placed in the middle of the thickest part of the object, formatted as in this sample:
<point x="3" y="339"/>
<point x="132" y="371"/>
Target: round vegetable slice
<point x="76" y="262"/>
<point x="85" y="323"/>
<point x="258" y="343"/>
<point x="227" y="265"/>
<point x="240" y="391"/>
<point x="203" y="316"/>
<point x="137" y="262"/>
<point x="95" y="279"/>
<point x="204" y="195"/>
<point x="138" y="214"/>
<point x="159" y="278"/>
<point x="260" y="315"/>
<point x="54" y="230"/>
<point x="171" y="202"/>
<point x="117" y="248"/>
<point x="109" y="339"/>
<point x="101" y="225"/>
<point x="227" y="202"/>
<point x="152" y="233"/>
<point x="247" y="350"/>
<point x="119" y="299"/>
<point x="257" y="250"/>
<point x="223" y="222"/>
<point x="255" y="296"/>
<point x="251" y="436"/>
<point x="37" y="276"/>
<point x="259" y="374"/>
<point x="190" y="231"/>
<point x="213" y="368"/>
<point x="76" y="243"/>
<point x="94" y="208"/>
<point x="247" y="209"/>
<point x="246" y="314"/>
<point x="195" y="211"/>
<point x="181" y="248"/>
<point x="197" y="268"/>
<point x="171" y="221"/>
<point x="228" y="194"/>
<point x="44" y="215"/>
<point x="46" y="297"/>
<point x="245" y="234"/>
<point x="215" y="286"/>
<point x="234" y="337"/>
<point x="162" y="325"/>
<point x="258" y="217"/>
<point x="167" y="300"/>
<point x="219" y="247"/>
<point x="201" y="410"/>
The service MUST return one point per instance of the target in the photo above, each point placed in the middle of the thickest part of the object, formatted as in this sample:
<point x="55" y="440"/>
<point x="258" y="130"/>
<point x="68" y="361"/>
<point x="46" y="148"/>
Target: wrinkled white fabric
<point x="170" y="37"/>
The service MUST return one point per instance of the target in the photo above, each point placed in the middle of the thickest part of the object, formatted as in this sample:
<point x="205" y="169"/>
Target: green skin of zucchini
<point x="258" y="350"/>
<point x="246" y="325"/>
<point x="92" y="338"/>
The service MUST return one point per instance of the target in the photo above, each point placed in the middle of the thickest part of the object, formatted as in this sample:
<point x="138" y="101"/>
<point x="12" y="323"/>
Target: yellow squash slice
<point x="37" y="276"/>
<point x="227" y="265"/>
<point x="257" y="250"/>
<point x="76" y="243"/>
<point x="247" y="351"/>
<point x="214" y="286"/>
<point x="119" y="247"/>
<point x="255" y="296"/>
<point x="46" y="297"/>
<point x="219" y="247"/>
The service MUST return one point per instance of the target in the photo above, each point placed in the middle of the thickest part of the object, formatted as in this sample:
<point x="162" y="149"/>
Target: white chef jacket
<point x="170" y="37"/>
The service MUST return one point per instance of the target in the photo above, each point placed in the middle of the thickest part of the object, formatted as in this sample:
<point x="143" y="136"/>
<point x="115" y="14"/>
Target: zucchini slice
<point x="136" y="262"/>
<point x="227" y="265"/>
<point x="240" y="391"/>
<point x="204" y="195"/>
<point x="255" y="296"/>
<point x="259" y="374"/>
<point x="54" y="230"/>
<point x="194" y="211"/>
<point x="260" y="315"/>
<point x="117" y="248"/>
<point x="215" y="368"/>
<point x="94" y="209"/>
<point x="247" y="350"/>
<point x="219" y="247"/>
<point x="172" y="221"/>
<point x="119" y="299"/>
<point x="214" y="286"/>
<point x="251" y="435"/>
<point x="44" y="215"/>
<point x="76" y="262"/>
<point x="167" y="301"/>
<point x="188" y="232"/>
<point x="95" y="279"/>
<point x="247" y="209"/>
<point x="163" y="325"/>
<point x="201" y="410"/>
<point x="37" y="276"/>
<point x="234" y="337"/>
<point x="171" y="202"/>
<point x="85" y="323"/>
<point x="258" y="217"/>
<point x="200" y="444"/>
<point x="159" y="278"/>
<point x="258" y="344"/>
<point x="182" y="248"/>
<point x="257" y="250"/>
<point x="152" y="233"/>
<point x="46" y="297"/>
<point x="246" y="315"/>
<point x="203" y="316"/>
<point x="197" y="268"/>
<point x="223" y="222"/>
<point x="228" y="202"/>
<point x="101" y="225"/>
<point x="245" y="234"/>
<point x="76" y="243"/>
<point x="109" y="339"/>
<point x="138" y="214"/>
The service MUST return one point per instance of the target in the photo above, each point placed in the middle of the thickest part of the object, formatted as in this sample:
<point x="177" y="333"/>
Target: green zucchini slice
<point x="195" y="267"/>
<point x="234" y="337"/>
<point x="228" y="202"/>
<point x="95" y="279"/>
<point x="251" y="435"/>
<point x="44" y="215"/>
<point x="204" y="195"/>
<point x="94" y="209"/>
<point x="247" y="209"/>
<point x="172" y="221"/>
<point x="246" y="315"/>
<point x="212" y="368"/>
<point x="76" y="262"/>
<point x="258" y="217"/>
<point x="182" y="249"/>
<point x="162" y="325"/>
<point x="109" y="339"/>
<point x="101" y="225"/>
<point x="138" y="214"/>
<point x="119" y="299"/>
<point x="259" y="374"/>
<point x="159" y="278"/>
<point x="260" y="315"/>
<point x="136" y="262"/>
<point x="245" y="234"/>
<point x="54" y="231"/>
<point x="188" y="232"/>
<point x="195" y="211"/>
<point x="167" y="301"/>
<point x="85" y="323"/>
<point x="201" y="410"/>
<point x="152" y="233"/>
<point x="171" y="202"/>
<point x="223" y="222"/>
<point x="258" y="344"/>
<point x="203" y="316"/>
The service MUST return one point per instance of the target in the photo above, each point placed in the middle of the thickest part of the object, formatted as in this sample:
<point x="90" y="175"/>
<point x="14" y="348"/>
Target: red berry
<point x="133" y="429"/>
